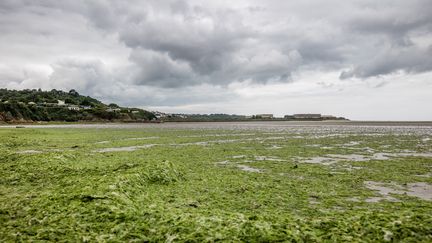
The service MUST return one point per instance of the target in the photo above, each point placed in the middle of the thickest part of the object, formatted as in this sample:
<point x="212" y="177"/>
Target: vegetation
<point x="203" y="117"/>
<point x="38" y="105"/>
<point x="155" y="184"/>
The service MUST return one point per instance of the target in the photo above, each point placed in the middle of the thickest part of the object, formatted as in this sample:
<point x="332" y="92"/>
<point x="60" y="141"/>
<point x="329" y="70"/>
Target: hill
<point x="56" y="105"/>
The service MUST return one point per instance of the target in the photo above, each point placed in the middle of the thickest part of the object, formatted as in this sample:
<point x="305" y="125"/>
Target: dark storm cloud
<point x="174" y="43"/>
<point x="221" y="44"/>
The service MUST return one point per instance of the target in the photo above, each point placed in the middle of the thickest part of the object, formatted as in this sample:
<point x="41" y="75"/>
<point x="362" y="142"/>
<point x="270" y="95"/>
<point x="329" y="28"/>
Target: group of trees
<point x="204" y="117"/>
<point x="32" y="105"/>
<point x="38" y="96"/>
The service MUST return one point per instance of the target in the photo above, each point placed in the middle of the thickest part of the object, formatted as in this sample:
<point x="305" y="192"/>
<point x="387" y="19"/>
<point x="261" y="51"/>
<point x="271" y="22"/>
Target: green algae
<point x="176" y="191"/>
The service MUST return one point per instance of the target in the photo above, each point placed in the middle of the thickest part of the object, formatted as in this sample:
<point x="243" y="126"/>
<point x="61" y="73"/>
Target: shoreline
<point x="211" y="123"/>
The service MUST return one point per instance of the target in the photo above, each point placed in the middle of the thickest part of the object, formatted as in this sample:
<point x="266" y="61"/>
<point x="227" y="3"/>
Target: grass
<point x="55" y="186"/>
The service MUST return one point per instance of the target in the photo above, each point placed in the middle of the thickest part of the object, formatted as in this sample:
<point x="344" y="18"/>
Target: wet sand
<point x="233" y="125"/>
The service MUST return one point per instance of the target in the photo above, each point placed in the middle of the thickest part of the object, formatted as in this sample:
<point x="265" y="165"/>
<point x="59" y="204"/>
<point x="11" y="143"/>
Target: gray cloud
<point x="224" y="44"/>
<point x="106" y="47"/>
<point x="159" y="69"/>
<point x="409" y="59"/>
<point x="80" y="74"/>
<point x="176" y="43"/>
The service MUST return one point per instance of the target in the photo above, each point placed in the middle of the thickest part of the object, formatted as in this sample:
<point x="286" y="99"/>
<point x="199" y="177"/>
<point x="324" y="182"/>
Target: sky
<point x="364" y="60"/>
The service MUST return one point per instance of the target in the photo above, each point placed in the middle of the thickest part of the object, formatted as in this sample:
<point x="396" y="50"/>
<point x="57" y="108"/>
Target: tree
<point x="73" y="93"/>
<point x="113" y="105"/>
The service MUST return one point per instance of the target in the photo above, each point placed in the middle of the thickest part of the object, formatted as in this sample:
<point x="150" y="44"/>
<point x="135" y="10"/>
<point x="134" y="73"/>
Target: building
<point x="307" y="116"/>
<point x="159" y="115"/>
<point x="73" y="108"/>
<point x="31" y="103"/>
<point x="61" y="102"/>
<point x="113" y="110"/>
<point x="264" y="116"/>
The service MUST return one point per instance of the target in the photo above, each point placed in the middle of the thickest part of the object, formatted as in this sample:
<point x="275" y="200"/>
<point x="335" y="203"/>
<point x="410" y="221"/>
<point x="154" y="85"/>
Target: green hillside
<point x="57" y="105"/>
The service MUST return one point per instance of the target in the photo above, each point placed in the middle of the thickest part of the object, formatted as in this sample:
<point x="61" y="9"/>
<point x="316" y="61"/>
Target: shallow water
<point x="30" y="151"/>
<point x="268" y="158"/>
<point x="249" y="169"/>
<point x="124" y="149"/>
<point x="319" y="160"/>
<point x="350" y="157"/>
<point x="420" y="190"/>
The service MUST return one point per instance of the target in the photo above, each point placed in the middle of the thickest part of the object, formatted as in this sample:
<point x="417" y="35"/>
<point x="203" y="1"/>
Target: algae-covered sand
<point x="252" y="182"/>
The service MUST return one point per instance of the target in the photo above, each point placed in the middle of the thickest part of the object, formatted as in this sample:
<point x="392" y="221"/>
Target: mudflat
<point x="218" y="181"/>
<point x="226" y="125"/>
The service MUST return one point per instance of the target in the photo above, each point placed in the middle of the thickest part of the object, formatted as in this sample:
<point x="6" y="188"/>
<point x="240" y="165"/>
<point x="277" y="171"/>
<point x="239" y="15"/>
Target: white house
<point x="264" y="116"/>
<point x="73" y="108"/>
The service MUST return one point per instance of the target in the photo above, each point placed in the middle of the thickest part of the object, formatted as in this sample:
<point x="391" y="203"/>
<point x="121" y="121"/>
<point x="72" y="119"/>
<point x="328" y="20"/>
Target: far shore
<point x="275" y="123"/>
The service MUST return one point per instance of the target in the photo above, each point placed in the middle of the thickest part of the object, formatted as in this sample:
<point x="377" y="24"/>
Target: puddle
<point x="327" y="147"/>
<point x="353" y="199"/>
<point x="29" y="152"/>
<point x="384" y="190"/>
<point x="205" y="143"/>
<point x="428" y="175"/>
<point x="386" y="156"/>
<point x="102" y="142"/>
<point x="249" y="169"/>
<point x="187" y="144"/>
<point x="380" y="156"/>
<point x="352" y="143"/>
<point x="420" y="190"/>
<point x="427" y="155"/>
<point x="275" y="147"/>
<point x="351" y="157"/>
<point x="350" y="167"/>
<point x="225" y="162"/>
<point x="313" y="200"/>
<point x="334" y="158"/>
<point x="59" y="150"/>
<point x="319" y="160"/>
<point x="378" y="199"/>
<point x="217" y="135"/>
<point x="142" y="138"/>
<point x="313" y="145"/>
<point x="368" y="150"/>
<point x="124" y="149"/>
<point x="268" y="158"/>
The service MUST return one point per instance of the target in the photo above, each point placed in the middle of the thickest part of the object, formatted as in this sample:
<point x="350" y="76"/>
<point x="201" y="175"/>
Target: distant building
<point x="61" y="102"/>
<point x="73" y="108"/>
<point x="159" y="115"/>
<point x="264" y="116"/>
<point x="31" y="103"/>
<point x="288" y="117"/>
<point x="307" y="116"/>
<point x="85" y="107"/>
<point x="114" y="110"/>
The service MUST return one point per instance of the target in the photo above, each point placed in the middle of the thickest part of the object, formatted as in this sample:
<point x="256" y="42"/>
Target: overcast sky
<point x="366" y="59"/>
